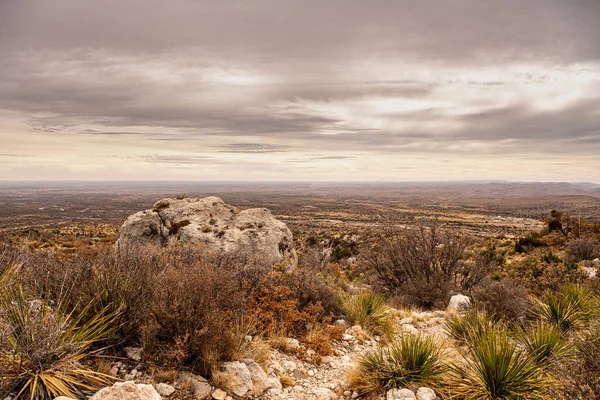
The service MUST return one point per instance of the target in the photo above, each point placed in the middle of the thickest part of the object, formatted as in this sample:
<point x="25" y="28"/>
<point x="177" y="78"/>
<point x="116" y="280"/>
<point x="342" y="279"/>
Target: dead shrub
<point x="504" y="299"/>
<point x="424" y="265"/>
<point x="583" y="249"/>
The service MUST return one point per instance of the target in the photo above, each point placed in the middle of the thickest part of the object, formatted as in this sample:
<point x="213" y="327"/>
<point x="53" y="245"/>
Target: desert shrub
<point x="505" y="299"/>
<point x="540" y="274"/>
<point x="43" y="348"/>
<point x="411" y="360"/>
<point x="545" y="343"/>
<point x="583" y="249"/>
<point x="285" y="304"/>
<point x="424" y="265"/>
<point x="567" y="309"/>
<point x="196" y="308"/>
<point x="466" y="328"/>
<point x="370" y="311"/>
<point x="528" y="242"/>
<point x="494" y="368"/>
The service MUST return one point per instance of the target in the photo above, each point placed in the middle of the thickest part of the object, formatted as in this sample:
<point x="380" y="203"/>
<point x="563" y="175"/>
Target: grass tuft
<point x="370" y="311"/>
<point x="411" y="359"/>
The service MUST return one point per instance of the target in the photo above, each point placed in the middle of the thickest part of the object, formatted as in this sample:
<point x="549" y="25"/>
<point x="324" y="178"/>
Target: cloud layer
<point x="286" y="90"/>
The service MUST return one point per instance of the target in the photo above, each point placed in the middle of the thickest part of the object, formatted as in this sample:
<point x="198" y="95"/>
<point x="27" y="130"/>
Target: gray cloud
<point x="342" y="80"/>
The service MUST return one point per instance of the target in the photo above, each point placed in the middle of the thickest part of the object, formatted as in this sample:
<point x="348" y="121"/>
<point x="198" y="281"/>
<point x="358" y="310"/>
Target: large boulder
<point x="127" y="391"/>
<point x="214" y="224"/>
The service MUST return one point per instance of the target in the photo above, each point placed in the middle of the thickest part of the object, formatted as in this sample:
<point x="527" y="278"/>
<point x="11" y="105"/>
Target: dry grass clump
<point x="466" y="328"/>
<point x="410" y="360"/>
<point x="370" y="311"/>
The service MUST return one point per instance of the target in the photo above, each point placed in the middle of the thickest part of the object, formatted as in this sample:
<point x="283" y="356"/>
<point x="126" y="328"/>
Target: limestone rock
<point x="214" y="224"/>
<point x="200" y="385"/>
<point x="459" y="304"/>
<point x="134" y="353"/>
<point x="164" y="389"/>
<point x="236" y="378"/>
<point x="127" y="391"/>
<point x="426" y="394"/>
<point x="324" y="394"/>
<point x="400" y="394"/>
<point x="260" y="380"/>
<point x="219" y="394"/>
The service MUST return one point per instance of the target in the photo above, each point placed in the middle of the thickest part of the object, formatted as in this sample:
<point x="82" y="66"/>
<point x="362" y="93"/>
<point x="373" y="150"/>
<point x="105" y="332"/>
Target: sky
<point x="336" y="90"/>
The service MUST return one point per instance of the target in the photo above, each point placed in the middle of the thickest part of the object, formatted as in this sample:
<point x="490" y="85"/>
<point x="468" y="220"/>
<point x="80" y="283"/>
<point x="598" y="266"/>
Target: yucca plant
<point x="411" y="359"/>
<point x="544" y="343"/>
<point x="465" y="328"/>
<point x="370" y="311"/>
<point x="494" y="368"/>
<point x="44" y="347"/>
<point x="567" y="309"/>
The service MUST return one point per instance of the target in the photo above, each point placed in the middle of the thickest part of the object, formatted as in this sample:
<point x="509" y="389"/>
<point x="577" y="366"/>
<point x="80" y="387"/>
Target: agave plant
<point x="44" y="347"/>
<point x="544" y="343"/>
<point x="494" y="368"/>
<point x="370" y="311"/>
<point x="465" y="328"/>
<point x="567" y="309"/>
<point x="412" y="359"/>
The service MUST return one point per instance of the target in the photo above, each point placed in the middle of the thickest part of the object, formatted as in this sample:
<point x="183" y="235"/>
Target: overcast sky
<point x="300" y="90"/>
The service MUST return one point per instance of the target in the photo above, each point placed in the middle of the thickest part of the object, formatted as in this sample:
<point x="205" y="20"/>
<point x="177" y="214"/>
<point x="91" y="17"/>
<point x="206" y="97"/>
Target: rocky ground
<point x="296" y="373"/>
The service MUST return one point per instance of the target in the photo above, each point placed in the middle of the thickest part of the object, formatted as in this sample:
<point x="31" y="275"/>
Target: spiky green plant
<point x="465" y="328"/>
<point x="544" y="343"/>
<point x="567" y="309"/>
<point x="494" y="368"/>
<point x="44" y="347"/>
<point x="411" y="359"/>
<point x="370" y="311"/>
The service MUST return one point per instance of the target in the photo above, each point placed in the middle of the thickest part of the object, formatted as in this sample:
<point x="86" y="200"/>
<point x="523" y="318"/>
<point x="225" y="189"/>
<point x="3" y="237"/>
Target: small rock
<point x="134" y="353"/>
<point x="199" y="385"/>
<point x="348" y="338"/>
<point x="406" y="321"/>
<point x="297" y="374"/>
<point x="219" y="394"/>
<point x="165" y="390"/>
<point x="56" y="398"/>
<point x="292" y="344"/>
<point x="426" y="394"/>
<point x="400" y="394"/>
<point x="341" y="322"/>
<point x="410" y="329"/>
<point x="127" y="391"/>
<point x="459" y="304"/>
<point x="324" y="394"/>
<point x="275" y="383"/>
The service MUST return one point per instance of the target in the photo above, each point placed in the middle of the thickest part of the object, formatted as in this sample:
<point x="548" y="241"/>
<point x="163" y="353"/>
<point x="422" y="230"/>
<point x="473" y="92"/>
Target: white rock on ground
<point x="400" y="394"/>
<point x="216" y="225"/>
<point x="426" y="394"/>
<point x="164" y="389"/>
<point x="127" y="391"/>
<point x="459" y="304"/>
<point x="134" y="353"/>
<point x="200" y="386"/>
<point x="244" y="379"/>
<point x="219" y="395"/>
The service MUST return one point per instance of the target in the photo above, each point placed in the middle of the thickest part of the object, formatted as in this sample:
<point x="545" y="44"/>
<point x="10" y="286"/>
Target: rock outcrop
<point x="214" y="224"/>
